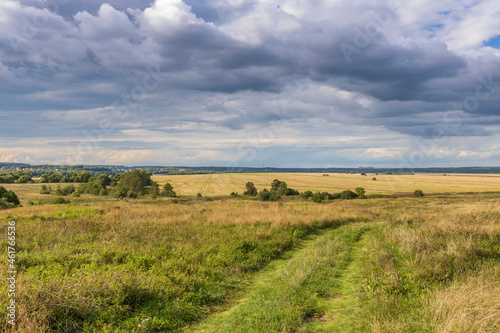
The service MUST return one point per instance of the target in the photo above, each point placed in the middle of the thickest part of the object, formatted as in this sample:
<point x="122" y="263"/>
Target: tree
<point x="276" y="184"/>
<point x="168" y="191"/>
<point x="251" y="190"/>
<point x="155" y="190"/>
<point x="360" y="192"/>
<point x="135" y="181"/>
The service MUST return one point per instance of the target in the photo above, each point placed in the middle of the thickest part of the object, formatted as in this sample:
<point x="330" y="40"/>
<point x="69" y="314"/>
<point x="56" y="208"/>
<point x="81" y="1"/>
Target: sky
<point x="292" y="83"/>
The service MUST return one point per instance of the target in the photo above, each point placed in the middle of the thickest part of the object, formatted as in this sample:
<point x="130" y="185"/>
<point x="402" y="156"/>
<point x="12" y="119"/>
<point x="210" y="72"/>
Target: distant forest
<point x="38" y="170"/>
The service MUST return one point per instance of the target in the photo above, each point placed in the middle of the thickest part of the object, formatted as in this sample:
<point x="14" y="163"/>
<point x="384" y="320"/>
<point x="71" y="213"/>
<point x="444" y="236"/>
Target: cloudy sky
<point x="304" y="83"/>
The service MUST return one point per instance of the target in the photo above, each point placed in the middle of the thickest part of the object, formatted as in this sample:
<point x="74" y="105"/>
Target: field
<point x="392" y="263"/>
<point x="224" y="184"/>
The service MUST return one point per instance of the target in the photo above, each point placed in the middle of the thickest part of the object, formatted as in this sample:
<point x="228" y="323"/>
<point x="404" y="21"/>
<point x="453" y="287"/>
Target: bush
<point x="266" y="195"/>
<point x="119" y="192"/>
<point x="65" y="191"/>
<point x="360" y="192"/>
<point x="45" y="189"/>
<point x="263" y="195"/>
<point x="103" y="192"/>
<point x="374" y="178"/>
<point x="418" y="193"/>
<point x="4" y="204"/>
<point x="94" y="188"/>
<point x="9" y="197"/>
<point x="234" y="194"/>
<point x="306" y="194"/>
<point x="318" y="197"/>
<point x="60" y="201"/>
<point x="273" y="196"/>
<point x="348" y="194"/>
<point x="198" y="195"/>
<point x="132" y="194"/>
<point x="251" y="190"/>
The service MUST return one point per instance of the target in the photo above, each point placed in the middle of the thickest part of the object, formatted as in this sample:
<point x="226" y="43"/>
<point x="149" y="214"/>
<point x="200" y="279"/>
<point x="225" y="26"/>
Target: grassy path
<point x="299" y="293"/>
<point x="340" y="312"/>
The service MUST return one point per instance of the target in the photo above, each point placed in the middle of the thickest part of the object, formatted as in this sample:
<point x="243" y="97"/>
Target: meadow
<point x="388" y="263"/>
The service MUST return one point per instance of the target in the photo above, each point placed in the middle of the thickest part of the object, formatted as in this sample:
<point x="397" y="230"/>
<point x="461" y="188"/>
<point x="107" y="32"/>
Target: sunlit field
<point x="224" y="184"/>
<point x="235" y="264"/>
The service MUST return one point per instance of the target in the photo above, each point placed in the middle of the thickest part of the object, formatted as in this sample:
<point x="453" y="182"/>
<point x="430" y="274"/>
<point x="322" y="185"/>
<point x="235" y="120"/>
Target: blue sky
<point x="250" y="83"/>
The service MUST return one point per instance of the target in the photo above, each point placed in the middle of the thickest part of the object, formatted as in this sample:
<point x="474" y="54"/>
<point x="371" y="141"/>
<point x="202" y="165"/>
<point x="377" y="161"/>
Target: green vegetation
<point x="8" y="199"/>
<point x="60" y="201"/>
<point x="168" y="191"/>
<point x="17" y="177"/>
<point x="287" y="299"/>
<point x="418" y="193"/>
<point x="250" y="189"/>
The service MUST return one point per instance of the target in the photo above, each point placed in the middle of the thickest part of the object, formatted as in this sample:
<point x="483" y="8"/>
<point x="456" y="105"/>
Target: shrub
<point x="234" y="194"/>
<point x="198" y="195"/>
<point x="273" y="196"/>
<point x="45" y="189"/>
<point x="266" y="195"/>
<point x="94" y="188"/>
<point x="9" y="196"/>
<point x="4" y="204"/>
<point x="103" y="192"/>
<point x="65" y="191"/>
<point x="119" y="192"/>
<point x="60" y="201"/>
<point x="251" y="190"/>
<point x="360" y="192"/>
<point x="418" y="193"/>
<point x="318" y="197"/>
<point x="348" y="194"/>
<point x="374" y="178"/>
<point x="132" y="194"/>
<point x="306" y="194"/>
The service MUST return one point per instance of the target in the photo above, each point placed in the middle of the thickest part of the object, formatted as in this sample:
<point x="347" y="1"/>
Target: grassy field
<point x="387" y="264"/>
<point x="224" y="184"/>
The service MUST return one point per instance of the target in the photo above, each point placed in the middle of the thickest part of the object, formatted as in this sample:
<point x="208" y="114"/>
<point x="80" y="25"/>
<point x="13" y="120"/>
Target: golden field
<point x="224" y="184"/>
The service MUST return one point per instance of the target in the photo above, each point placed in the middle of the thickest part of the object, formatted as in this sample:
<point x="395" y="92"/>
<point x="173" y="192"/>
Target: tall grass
<point x="158" y="266"/>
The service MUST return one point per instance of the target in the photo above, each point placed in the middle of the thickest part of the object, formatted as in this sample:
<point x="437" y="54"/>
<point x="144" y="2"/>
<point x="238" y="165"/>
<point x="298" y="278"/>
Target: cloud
<point x="228" y="71"/>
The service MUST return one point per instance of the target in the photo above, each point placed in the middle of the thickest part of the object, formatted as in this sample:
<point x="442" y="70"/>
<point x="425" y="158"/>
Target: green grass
<point x="80" y="273"/>
<point x="403" y="264"/>
<point x="284" y="300"/>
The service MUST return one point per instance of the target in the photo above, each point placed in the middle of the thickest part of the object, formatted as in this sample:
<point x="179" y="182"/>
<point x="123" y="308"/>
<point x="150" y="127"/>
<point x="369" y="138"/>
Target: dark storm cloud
<point x="222" y="62"/>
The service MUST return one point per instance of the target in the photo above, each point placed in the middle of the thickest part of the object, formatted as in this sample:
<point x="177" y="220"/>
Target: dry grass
<point x="472" y="305"/>
<point x="224" y="184"/>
